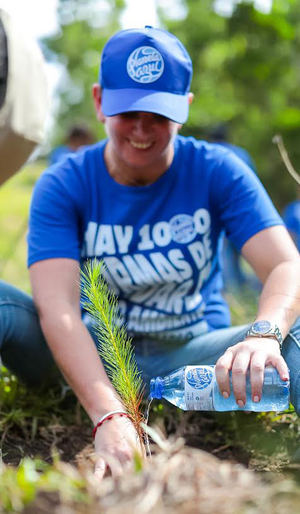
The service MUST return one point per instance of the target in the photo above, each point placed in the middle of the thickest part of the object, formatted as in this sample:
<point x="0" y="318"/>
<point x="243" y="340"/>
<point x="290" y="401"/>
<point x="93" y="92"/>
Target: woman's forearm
<point x="280" y="298"/>
<point x="77" y="357"/>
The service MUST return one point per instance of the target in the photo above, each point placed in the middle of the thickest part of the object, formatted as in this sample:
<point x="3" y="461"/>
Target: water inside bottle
<point x="275" y="396"/>
<point x="173" y="390"/>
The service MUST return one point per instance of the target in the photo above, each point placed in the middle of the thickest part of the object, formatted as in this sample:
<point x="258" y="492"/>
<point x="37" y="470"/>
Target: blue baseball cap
<point x="147" y="70"/>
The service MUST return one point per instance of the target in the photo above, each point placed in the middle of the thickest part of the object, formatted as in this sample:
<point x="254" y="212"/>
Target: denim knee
<point x="24" y="350"/>
<point x="291" y="354"/>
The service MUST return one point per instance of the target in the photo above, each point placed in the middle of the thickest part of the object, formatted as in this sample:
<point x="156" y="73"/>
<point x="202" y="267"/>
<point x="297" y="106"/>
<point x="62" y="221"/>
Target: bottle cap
<point x="156" y="387"/>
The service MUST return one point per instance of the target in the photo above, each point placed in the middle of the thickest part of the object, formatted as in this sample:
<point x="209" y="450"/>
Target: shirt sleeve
<point x="242" y="203"/>
<point x="53" y="220"/>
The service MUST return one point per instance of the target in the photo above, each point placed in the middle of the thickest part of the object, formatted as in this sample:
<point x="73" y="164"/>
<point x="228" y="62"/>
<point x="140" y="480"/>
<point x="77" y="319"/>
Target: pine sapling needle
<point x="114" y="345"/>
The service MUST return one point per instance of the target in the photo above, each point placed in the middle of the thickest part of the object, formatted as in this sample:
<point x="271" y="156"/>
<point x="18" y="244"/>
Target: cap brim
<point x="172" y="106"/>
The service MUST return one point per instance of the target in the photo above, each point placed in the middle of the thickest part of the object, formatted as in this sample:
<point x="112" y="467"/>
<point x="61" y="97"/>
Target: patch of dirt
<point x="199" y="430"/>
<point x="204" y="430"/>
<point x="228" y="436"/>
<point x="66" y="441"/>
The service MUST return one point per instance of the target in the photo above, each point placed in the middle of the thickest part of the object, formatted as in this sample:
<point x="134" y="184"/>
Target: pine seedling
<point x="114" y="346"/>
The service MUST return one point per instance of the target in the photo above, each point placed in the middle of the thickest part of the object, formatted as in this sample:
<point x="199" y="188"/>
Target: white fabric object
<point x="23" y="113"/>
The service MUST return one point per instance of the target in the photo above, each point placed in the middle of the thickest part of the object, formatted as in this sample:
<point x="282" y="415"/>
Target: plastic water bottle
<point x="196" y="388"/>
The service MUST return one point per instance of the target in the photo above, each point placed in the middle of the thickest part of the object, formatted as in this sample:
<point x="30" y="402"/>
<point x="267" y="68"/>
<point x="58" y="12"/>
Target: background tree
<point x="85" y="25"/>
<point x="246" y="74"/>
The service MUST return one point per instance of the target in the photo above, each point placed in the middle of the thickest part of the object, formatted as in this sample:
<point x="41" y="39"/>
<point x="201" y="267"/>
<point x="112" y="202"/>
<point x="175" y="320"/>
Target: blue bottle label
<point x="198" y="387"/>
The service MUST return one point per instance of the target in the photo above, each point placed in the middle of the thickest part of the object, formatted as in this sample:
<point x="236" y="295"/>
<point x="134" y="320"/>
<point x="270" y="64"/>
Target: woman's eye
<point x="129" y="115"/>
<point x="133" y="115"/>
<point x="160" y="118"/>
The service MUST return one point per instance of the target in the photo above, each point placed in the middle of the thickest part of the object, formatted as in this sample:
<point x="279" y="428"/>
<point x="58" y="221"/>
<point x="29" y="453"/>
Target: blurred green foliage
<point x="19" y="487"/>
<point x="15" y="197"/>
<point x="246" y="73"/>
<point x="85" y="25"/>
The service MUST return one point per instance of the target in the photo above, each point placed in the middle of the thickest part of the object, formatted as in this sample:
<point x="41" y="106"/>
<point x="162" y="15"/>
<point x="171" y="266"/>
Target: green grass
<point x="15" y="197"/>
<point x="19" y="487"/>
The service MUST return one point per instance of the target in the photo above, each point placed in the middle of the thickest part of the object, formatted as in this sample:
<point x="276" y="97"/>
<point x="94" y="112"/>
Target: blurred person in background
<point x="236" y="280"/>
<point x="153" y="205"/>
<point x="291" y="218"/>
<point x="78" y="136"/>
<point x="220" y="135"/>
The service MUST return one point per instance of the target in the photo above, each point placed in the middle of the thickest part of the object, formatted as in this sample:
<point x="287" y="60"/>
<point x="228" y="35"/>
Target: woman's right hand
<point x="116" y="442"/>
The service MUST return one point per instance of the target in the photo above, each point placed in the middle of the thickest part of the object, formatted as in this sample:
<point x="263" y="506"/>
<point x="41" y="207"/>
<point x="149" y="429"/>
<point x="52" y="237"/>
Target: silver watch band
<point x="264" y="328"/>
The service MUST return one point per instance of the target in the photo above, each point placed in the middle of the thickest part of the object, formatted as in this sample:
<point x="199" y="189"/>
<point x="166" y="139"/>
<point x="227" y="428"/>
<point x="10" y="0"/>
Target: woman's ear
<point x="190" y="99"/>
<point x="97" y="97"/>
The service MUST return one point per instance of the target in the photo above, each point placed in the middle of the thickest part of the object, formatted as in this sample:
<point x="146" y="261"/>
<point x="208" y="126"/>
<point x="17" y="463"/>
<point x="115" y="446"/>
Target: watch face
<point x="262" y="327"/>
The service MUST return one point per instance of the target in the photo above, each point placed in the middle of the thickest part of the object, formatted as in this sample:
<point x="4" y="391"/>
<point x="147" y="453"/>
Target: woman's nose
<point x="143" y="122"/>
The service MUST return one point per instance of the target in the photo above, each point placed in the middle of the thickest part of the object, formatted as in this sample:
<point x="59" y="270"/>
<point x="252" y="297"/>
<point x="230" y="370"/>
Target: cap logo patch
<point x="145" y="64"/>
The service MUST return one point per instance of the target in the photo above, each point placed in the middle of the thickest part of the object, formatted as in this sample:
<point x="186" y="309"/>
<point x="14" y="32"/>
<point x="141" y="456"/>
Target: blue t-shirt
<point x="239" y="152"/>
<point x="161" y="243"/>
<point x="291" y="217"/>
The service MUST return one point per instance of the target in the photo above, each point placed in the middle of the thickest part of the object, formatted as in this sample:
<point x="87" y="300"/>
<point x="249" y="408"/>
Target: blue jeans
<point x="24" y="351"/>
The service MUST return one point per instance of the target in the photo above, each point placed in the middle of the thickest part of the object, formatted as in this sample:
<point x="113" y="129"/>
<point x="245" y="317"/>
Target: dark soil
<point x="37" y="437"/>
<point x="66" y="441"/>
<point x="61" y="427"/>
<point x="202" y="432"/>
<point x="211" y="432"/>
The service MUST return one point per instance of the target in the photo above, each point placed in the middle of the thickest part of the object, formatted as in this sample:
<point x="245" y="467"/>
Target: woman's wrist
<point x="111" y="403"/>
<point x="107" y="417"/>
<point x="263" y="340"/>
<point x="101" y="398"/>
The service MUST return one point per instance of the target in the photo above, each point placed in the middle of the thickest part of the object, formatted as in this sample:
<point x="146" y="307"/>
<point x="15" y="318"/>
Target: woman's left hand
<point x="253" y="354"/>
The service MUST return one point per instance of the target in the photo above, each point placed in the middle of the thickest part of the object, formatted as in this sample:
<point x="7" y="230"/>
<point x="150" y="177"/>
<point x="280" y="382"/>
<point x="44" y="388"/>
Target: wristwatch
<point x="264" y="328"/>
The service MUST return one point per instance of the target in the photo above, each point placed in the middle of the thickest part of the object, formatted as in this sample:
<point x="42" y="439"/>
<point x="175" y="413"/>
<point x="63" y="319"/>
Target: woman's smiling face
<point x="141" y="139"/>
<point x="140" y="144"/>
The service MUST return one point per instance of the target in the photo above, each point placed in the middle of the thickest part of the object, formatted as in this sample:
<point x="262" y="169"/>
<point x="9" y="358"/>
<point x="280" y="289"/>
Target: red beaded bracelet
<point x="108" y="416"/>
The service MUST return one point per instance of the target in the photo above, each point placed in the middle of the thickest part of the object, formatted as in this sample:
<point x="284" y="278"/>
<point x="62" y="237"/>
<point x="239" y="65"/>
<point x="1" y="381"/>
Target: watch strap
<point x="271" y="331"/>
